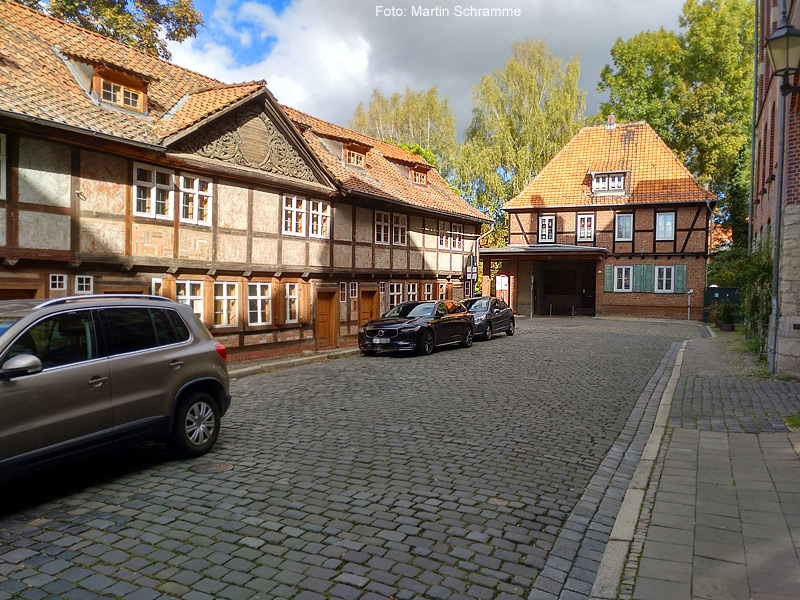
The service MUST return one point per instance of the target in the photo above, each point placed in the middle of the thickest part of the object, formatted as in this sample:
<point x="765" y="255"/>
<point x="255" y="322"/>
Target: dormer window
<point x="120" y="89"/>
<point x="419" y="177"/>
<point x="608" y="182"/>
<point x="122" y="96"/>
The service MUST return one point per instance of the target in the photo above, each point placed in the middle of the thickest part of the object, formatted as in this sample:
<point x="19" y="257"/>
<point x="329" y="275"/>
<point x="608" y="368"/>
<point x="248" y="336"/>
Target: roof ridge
<point x="229" y="86"/>
<point x="85" y="31"/>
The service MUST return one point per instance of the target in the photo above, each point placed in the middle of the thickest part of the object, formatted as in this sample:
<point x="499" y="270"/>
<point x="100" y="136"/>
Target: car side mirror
<point x="440" y="314"/>
<point x="22" y="364"/>
<point x="495" y="311"/>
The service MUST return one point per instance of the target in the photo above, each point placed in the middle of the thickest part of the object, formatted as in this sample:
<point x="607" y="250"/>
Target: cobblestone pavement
<point x="449" y="476"/>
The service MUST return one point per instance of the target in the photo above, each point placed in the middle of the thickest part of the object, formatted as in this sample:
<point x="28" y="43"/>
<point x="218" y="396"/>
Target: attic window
<point x="419" y="177"/>
<point x="354" y="157"/>
<point x="122" y="96"/>
<point x="120" y="89"/>
<point x="608" y="182"/>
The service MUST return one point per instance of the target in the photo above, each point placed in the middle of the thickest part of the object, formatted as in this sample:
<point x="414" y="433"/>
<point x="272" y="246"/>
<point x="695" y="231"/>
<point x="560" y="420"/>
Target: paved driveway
<point x="447" y="476"/>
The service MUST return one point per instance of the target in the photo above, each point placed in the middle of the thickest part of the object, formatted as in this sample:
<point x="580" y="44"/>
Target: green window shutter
<point x="608" y="279"/>
<point x="649" y="278"/>
<point x="638" y="278"/>
<point x="680" y="279"/>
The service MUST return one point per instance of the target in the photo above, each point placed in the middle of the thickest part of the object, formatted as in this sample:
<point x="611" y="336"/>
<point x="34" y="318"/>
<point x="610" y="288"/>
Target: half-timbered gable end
<point x="614" y="224"/>
<point x="122" y="172"/>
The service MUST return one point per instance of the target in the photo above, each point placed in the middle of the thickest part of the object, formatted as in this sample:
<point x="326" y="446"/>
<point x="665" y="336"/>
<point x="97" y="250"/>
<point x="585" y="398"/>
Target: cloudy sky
<point x="326" y="56"/>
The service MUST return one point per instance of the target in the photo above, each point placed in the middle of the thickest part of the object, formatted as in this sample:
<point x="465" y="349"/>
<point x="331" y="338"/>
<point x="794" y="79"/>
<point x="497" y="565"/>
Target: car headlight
<point x="361" y="329"/>
<point x="479" y="318"/>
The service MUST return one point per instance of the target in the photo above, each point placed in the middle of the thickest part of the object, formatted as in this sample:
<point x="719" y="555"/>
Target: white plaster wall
<point x="343" y="256"/>
<point x="232" y="207"/>
<point x="444" y="261"/>
<point x="400" y="259"/>
<point x="415" y="261"/>
<point x="265" y="251"/>
<point x="293" y="252"/>
<point x="382" y="258"/>
<point x="363" y="257"/>
<point x="319" y="254"/>
<point x="431" y="233"/>
<point x="232" y="248"/>
<point x="457" y="262"/>
<point x="416" y="239"/>
<point x="343" y="222"/>
<point x="44" y="172"/>
<point x="266" y="212"/>
<point x="102" y="236"/>
<point x="44" y="231"/>
<point x="365" y="224"/>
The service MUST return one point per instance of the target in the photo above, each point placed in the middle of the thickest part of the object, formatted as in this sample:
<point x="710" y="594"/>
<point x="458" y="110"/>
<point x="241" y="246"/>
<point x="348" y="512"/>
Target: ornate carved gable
<point x="249" y="138"/>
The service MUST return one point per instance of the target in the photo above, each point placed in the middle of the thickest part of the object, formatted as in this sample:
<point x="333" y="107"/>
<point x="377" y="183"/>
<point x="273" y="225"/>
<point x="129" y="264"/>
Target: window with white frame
<point x="600" y="183"/>
<point x="623" y="279"/>
<point x="419" y="177"/>
<point x="353" y="290"/>
<point x="152" y="192"/>
<point x="547" y="228"/>
<point x="292" y="302"/>
<point x="342" y="291"/>
<point x="411" y="291"/>
<point x="623" y="227"/>
<point x="442" y="291"/>
<point x="458" y="236"/>
<point x="382" y="227"/>
<point x="191" y="293"/>
<point x="399" y="229"/>
<point x="585" y="228"/>
<point x="58" y="283"/>
<point x="320" y="219"/>
<point x="259" y="303"/>
<point x="665" y="280"/>
<point x="3" y="153"/>
<point x="395" y="294"/>
<point x="157" y="286"/>
<point x="616" y="182"/>
<point x="382" y="289"/>
<point x="84" y="284"/>
<point x="444" y="235"/>
<point x="196" y="193"/>
<point x="225" y="303"/>
<point x="121" y="95"/>
<point x="428" y="291"/>
<point x="294" y="212"/>
<point x="665" y="226"/>
<point x="355" y="158"/>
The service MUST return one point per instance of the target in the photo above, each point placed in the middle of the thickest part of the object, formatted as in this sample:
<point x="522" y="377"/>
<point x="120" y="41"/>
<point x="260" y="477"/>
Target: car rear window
<point x="131" y="329"/>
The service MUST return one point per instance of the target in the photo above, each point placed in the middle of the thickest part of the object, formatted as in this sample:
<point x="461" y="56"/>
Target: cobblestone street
<point x="448" y="476"/>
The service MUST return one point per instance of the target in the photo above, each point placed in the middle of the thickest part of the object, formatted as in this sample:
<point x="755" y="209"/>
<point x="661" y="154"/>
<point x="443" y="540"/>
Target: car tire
<point x="196" y="425"/>
<point x="467" y="341"/>
<point x="488" y="335"/>
<point x="425" y="345"/>
<point x="510" y="330"/>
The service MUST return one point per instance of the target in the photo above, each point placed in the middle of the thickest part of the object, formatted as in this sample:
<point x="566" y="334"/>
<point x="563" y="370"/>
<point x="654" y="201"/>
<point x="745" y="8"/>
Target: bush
<point x="725" y="312"/>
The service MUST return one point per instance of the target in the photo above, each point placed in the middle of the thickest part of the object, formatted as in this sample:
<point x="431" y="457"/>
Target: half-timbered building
<point x="124" y="173"/>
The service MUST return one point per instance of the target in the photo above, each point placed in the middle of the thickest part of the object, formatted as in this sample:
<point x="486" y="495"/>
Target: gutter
<point x="80" y="130"/>
<point x="352" y="192"/>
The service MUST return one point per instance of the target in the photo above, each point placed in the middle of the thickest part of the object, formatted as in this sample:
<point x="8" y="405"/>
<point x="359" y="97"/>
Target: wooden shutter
<point x="649" y="278"/>
<point x="305" y="302"/>
<point x="608" y="279"/>
<point x="279" y="302"/>
<point x="638" y="278"/>
<point x="680" y="279"/>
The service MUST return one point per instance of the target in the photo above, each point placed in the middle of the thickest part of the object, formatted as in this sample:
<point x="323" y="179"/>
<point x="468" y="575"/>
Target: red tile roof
<point x="653" y="172"/>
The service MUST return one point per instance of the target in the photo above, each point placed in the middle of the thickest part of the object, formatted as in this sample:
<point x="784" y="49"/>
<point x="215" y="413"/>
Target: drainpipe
<point x="750" y="199"/>
<point x="478" y="248"/>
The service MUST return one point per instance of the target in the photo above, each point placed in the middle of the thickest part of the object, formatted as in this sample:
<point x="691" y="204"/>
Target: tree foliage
<point x="418" y="118"/>
<point x="143" y="24"/>
<point x="521" y="117"/>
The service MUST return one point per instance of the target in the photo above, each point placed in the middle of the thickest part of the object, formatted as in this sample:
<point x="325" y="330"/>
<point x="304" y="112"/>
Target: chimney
<point x="611" y="122"/>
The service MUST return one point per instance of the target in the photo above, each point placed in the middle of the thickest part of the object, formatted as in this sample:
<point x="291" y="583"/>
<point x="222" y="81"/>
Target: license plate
<point x="380" y="340"/>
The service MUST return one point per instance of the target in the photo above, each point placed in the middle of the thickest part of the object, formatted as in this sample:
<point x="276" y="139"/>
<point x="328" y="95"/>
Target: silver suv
<point x="89" y="372"/>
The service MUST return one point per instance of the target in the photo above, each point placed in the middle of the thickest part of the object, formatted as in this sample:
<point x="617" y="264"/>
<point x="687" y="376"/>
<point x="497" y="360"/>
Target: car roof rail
<point x="68" y="299"/>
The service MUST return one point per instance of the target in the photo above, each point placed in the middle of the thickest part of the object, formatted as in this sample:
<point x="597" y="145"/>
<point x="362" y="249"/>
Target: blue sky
<point x="326" y="56"/>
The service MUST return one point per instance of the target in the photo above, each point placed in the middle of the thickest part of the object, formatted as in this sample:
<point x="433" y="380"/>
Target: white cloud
<point x="326" y="56"/>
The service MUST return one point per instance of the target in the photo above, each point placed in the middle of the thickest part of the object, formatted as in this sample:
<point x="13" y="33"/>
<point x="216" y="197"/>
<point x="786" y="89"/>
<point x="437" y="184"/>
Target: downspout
<point x="751" y="203"/>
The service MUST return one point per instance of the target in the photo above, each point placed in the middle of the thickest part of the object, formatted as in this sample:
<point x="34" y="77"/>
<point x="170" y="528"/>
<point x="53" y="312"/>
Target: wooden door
<point x="327" y="326"/>
<point x="368" y="309"/>
<point x="16" y="294"/>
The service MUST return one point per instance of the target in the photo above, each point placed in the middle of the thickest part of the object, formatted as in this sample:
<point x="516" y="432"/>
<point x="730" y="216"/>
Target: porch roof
<point x="549" y="251"/>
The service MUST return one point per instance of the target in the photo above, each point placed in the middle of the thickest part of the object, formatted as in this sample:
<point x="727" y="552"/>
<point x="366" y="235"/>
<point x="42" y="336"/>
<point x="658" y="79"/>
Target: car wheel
<point x="488" y="335"/>
<point x="425" y="342"/>
<point x="196" y="425"/>
<point x="467" y="341"/>
<point x="510" y="330"/>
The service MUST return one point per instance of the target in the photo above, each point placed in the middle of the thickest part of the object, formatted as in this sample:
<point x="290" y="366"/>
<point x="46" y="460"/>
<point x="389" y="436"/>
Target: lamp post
<point x="783" y="48"/>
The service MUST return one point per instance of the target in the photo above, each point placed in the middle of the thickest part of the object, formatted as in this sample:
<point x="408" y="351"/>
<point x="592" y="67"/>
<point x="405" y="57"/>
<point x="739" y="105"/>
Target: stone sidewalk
<point x="720" y="514"/>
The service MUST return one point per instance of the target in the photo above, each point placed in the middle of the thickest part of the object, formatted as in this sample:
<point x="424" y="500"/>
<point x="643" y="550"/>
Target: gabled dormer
<point x="608" y="182"/>
<point x="354" y="155"/>
<point x="418" y="176"/>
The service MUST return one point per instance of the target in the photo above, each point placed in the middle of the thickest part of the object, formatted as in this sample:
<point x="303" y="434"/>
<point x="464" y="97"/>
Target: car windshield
<point x="412" y="310"/>
<point x="6" y="322"/>
<point x="476" y="305"/>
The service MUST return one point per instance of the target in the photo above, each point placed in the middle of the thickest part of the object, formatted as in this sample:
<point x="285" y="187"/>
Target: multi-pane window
<point x="259" y="303"/>
<point x="3" y="153"/>
<point x="196" y="195"/>
<point x="294" y="210"/>
<point x="419" y="177"/>
<point x="225" y="303"/>
<point x="616" y="182"/>
<point x="411" y="291"/>
<point x="342" y="291"/>
<point x="353" y="290"/>
<point x="600" y="183"/>
<point x="191" y="293"/>
<point x="585" y="228"/>
<point x="354" y="158"/>
<point x="428" y="291"/>
<point x="623" y="279"/>
<point x="623" y="228"/>
<point x="399" y="229"/>
<point x="157" y="287"/>
<point x="444" y="235"/>
<point x="382" y="221"/>
<point x="442" y="291"/>
<point x="84" y="284"/>
<point x="395" y="294"/>
<point x="320" y="219"/>
<point x="458" y="236"/>
<point x="292" y="302"/>
<point x="58" y="282"/>
<point x="547" y="228"/>
<point x="152" y="191"/>
<point x="665" y="280"/>
<point x="120" y="95"/>
<point x="665" y="226"/>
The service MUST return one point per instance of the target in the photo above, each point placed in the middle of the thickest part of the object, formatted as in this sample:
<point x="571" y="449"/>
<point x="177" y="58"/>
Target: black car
<point x="492" y="315"/>
<point x="418" y="326"/>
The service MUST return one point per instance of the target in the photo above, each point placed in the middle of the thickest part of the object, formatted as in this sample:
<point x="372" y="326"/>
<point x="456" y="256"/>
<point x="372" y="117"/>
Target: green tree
<point x="414" y="118"/>
<point x="521" y="117"/>
<point x="143" y="24"/>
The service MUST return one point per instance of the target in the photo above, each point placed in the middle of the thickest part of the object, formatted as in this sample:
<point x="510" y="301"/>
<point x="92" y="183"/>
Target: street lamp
<point x="783" y="48"/>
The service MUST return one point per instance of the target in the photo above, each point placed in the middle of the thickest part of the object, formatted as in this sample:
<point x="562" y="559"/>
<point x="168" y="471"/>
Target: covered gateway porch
<point x="551" y="279"/>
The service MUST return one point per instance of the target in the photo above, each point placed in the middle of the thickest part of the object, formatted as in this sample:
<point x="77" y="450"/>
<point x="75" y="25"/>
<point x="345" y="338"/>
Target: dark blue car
<point x="492" y="315"/>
